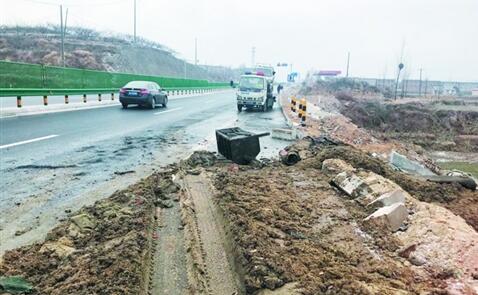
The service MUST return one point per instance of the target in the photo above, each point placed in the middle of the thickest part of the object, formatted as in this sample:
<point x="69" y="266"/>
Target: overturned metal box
<point x="238" y="145"/>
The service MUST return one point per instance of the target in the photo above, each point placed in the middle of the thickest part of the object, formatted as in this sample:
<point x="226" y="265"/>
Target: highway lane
<point x="53" y="163"/>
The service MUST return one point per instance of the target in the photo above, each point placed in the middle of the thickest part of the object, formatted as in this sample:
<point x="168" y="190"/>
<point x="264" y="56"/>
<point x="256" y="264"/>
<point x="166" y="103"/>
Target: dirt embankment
<point x="418" y="123"/>
<point x="101" y="249"/>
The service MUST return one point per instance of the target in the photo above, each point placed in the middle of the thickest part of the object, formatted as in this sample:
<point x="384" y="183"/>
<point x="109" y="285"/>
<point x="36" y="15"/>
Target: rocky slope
<point x="89" y="49"/>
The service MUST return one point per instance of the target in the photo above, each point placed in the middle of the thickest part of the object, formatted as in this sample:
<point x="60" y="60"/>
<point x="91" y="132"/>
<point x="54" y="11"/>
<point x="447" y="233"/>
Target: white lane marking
<point x="171" y="110"/>
<point x="27" y="141"/>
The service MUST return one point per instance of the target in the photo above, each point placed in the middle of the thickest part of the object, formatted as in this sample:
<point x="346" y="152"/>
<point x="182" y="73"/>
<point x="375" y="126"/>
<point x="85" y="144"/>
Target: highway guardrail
<point x="22" y="79"/>
<point x="44" y="92"/>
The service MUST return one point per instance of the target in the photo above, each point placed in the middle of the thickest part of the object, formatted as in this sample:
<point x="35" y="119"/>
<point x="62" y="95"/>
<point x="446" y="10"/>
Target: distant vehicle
<point x="143" y="93"/>
<point x="255" y="92"/>
<point x="268" y="71"/>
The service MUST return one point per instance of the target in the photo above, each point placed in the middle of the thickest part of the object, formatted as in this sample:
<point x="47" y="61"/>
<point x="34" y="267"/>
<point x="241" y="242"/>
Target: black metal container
<point x="238" y="145"/>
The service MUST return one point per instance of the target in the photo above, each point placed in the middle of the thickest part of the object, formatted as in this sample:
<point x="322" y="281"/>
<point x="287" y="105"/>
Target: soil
<point x="291" y="225"/>
<point x="101" y="249"/>
<point x="212" y="227"/>
<point x="105" y="248"/>
<point x="418" y="123"/>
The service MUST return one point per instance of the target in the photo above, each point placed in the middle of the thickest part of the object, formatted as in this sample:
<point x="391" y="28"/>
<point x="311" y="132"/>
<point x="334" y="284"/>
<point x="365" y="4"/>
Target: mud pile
<point x="101" y="249"/>
<point x="294" y="230"/>
<point x="415" y="122"/>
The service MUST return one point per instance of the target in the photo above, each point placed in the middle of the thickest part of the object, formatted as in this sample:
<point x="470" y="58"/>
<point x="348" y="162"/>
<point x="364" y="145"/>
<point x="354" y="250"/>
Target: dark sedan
<point x="143" y="93"/>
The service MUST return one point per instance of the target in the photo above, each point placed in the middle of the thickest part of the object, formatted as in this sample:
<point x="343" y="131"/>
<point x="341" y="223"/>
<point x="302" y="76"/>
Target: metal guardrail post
<point x="84" y="98"/>
<point x="45" y="100"/>
<point x="66" y="99"/>
<point x="99" y="96"/>
<point x="112" y="96"/>
<point x="19" y="101"/>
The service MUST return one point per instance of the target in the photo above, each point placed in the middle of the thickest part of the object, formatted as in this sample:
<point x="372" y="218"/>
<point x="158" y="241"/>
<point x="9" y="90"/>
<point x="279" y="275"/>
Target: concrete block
<point x="285" y="134"/>
<point x="390" y="198"/>
<point x="393" y="216"/>
<point x="336" y="166"/>
<point x="351" y="184"/>
<point x="378" y="185"/>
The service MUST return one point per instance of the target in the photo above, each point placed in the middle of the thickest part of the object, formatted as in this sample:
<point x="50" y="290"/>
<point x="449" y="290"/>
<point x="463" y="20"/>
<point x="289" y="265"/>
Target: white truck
<point x="255" y="90"/>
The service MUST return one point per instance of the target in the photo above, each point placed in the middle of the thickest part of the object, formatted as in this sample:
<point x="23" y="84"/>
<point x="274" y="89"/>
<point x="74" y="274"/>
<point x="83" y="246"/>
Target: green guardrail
<point x="31" y="79"/>
<point x="11" y="92"/>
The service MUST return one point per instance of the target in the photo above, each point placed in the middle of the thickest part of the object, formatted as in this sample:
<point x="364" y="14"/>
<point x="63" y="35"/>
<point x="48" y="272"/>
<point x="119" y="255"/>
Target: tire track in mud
<point x="219" y="274"/>
<point x="170" y="274"/>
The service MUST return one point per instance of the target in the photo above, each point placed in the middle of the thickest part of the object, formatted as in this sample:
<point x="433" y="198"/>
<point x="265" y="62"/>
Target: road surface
<point x="55" y="163"/>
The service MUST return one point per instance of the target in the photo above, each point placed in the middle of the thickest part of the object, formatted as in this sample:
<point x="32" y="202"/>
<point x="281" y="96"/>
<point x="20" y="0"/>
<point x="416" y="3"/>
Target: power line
<point x="76" y="5"/>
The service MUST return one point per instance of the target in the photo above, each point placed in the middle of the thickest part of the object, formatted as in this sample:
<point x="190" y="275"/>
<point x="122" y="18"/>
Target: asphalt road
<point x="53" y="163"/>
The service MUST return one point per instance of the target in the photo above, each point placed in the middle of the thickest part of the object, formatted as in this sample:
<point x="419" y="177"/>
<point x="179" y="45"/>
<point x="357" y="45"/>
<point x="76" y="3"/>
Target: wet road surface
<point x="55" y="163"/>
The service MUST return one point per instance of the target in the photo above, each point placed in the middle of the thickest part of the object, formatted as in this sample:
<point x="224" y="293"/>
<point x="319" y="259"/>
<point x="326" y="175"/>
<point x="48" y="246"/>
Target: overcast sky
<point x="440" y="36"/>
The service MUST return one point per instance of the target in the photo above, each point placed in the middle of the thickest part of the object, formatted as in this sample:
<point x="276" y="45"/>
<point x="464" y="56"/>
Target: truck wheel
<point x="239" y="107"/>
<point x="165" y="104"/>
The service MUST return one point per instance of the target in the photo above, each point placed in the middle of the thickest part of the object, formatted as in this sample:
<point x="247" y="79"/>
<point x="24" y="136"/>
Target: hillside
<point x="85" y="48"/>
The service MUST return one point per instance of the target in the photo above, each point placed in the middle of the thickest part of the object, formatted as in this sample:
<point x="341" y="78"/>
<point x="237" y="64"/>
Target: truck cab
<point x="254" y="92"/>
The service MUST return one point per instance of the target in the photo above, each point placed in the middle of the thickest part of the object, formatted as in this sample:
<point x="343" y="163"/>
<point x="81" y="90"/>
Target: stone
<point x="74" y="231"/>
<point x="65" y="241"/>
<point x="393" y="216"/>
<point x="336" y="166"/>
<point x="351" y="184"/>
<point x="417" y="259"/>
<point x="390" y="198"/>
<point x="126" y="211"/>
<point x="287" y="289"/>
<point x="84" y="222"/>
<point x="58" y="248"/>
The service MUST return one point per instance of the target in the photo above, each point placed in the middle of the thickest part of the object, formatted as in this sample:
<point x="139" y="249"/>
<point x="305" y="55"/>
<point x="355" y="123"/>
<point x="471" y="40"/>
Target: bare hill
<point x="85" y="48"/>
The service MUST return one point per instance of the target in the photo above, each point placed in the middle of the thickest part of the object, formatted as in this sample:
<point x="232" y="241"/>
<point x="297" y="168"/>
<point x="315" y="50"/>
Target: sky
<point x="438" y="36"/>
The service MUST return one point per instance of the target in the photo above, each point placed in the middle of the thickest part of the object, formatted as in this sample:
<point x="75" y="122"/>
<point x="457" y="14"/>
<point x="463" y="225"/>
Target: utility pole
<point x="348" y="64"/>
<point x="253" y="57"/>
<point x="420" y="84"/>
<point x="134" y="21"/>
<point x="62" y="37"/>
<point x="196" y="51"/>
<point x="400" y="67"/>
